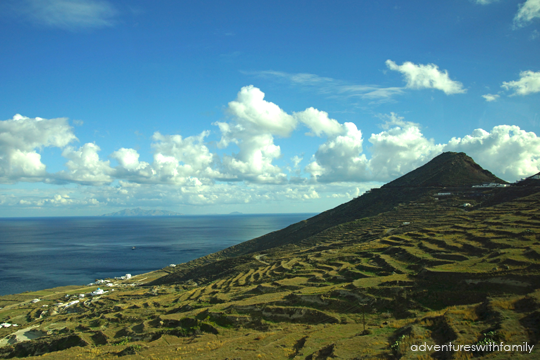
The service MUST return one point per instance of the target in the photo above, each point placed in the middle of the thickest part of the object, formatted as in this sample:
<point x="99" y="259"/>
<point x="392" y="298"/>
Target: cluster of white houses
<point x="75" y="299"/>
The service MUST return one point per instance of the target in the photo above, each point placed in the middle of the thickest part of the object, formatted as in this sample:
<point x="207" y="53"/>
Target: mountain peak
<point x="447" y="169"/>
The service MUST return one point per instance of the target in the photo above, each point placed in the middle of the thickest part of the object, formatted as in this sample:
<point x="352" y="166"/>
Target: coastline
<point x="57" y="300"/>
<point x="42" y="253"/>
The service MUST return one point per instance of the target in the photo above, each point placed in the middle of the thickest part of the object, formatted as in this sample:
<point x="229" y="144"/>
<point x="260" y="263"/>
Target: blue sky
<point x="282" y="106"/>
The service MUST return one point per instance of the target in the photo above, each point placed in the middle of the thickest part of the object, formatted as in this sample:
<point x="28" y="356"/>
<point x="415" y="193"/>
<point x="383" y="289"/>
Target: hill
<point x="141" y="212"/>
<point x="449" y="169"/>
<point x="419" y="268"/>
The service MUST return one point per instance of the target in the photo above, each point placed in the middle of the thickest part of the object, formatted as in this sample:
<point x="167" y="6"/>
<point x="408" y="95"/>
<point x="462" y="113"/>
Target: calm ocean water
<point x="39" y="253"/>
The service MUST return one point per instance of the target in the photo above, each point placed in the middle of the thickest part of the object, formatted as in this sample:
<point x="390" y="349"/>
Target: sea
<point x="42" y="253"/>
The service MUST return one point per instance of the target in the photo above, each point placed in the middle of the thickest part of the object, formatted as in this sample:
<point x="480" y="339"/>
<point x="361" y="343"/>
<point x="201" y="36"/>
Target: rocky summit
<point x="448" y="169"/>
<point x="447" y="254"/>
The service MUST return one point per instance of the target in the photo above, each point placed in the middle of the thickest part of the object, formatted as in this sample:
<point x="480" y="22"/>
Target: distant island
<point x="141" y="212"/>
<point x="235" y="213"/>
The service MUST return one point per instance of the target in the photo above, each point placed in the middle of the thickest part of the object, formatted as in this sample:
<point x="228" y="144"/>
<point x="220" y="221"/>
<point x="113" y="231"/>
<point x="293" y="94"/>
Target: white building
<point x="98" y="292"/>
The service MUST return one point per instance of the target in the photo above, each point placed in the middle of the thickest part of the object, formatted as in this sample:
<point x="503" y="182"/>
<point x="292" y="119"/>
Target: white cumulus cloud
<point x="130" y="168"/>
<point x="507" y="151"/>
<point x="254" y="123"/>
<point x="21" y="137"/>
<point x="490" y="97"/>
<point x="185" y="171"/>
<point x="128" y="159"/>
<point x="85" y="167"/>
<point x="340" y="158"/>
<point x="528" y="83"/>
<point x="253" y="112"/>
<point x="299" y="193"/>
<point x="399" y="149"/>
<point x="177" y="159"/>
<point x="527" y="12"/>
<point x="427" y="77"/>
<point x="254" y="160"/>
<point x="319" y="122"/>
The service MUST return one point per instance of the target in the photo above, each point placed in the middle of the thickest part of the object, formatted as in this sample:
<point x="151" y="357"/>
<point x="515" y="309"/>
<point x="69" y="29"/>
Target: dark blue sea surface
<point x="40" y="253"/>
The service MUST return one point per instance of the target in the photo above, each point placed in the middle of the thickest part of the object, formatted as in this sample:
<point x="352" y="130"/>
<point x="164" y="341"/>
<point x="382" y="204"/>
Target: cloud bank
<point x="184" y="169"/>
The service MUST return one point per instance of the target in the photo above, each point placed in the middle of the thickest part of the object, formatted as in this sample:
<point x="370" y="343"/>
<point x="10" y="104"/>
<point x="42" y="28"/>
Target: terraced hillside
<point x="429" y="270"/>
<point x="450" y="171"/>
